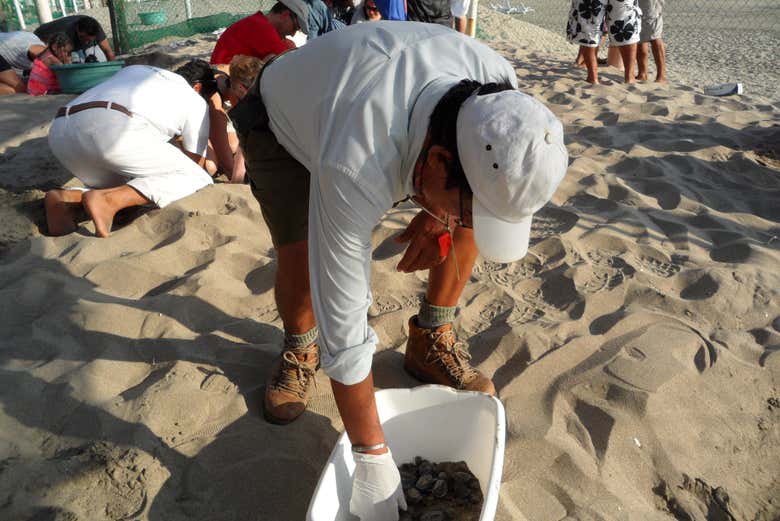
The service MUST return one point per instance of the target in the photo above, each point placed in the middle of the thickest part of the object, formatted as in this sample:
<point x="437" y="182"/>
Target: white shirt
<point x="14" y="47"/>
<point x="353" y="107"/>
<point x="163" y="98"/>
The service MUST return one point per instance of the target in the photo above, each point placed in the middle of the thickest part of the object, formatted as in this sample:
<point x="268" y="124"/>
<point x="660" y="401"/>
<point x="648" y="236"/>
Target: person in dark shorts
<point x="429" y="11"/>
<point x="84" y="31"/>
<point x="334" y="133"/>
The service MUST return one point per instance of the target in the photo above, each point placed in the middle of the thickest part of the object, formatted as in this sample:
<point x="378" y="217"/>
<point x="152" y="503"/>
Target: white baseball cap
<point x="301" y="10"/>
<point x="512" y="151"/>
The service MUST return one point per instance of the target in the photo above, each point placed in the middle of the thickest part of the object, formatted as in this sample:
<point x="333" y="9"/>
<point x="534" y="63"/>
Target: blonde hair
<point x="244" y="69"/>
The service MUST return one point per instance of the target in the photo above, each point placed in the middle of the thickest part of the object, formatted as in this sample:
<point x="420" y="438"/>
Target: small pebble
<point x="413" y="496"/>
<point x="461" y="477"/>
<point x="408" y="467"/>
<point x="461" y="490"/>
<point x="439" y="488"/>
<point x="424" y="483"/>
<point x="408" y="479"/>
<point x="433" y="515"/>
<point x="425" y="467"/>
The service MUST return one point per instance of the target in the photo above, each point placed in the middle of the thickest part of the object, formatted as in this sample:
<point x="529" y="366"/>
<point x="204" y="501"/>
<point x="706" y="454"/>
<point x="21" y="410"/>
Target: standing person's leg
<point x="584" y="29"/>
<point x="645" y="35"/>
<point x="642" y="56"/>
<point x="281" y="186"/>
<point x="433" y="352"/>
<point x="590" y="57"/>
<point x="624" y="24"/>
<point x="652" y="31"/>
<point x="613" y="58"/>
<point x="628" y="53"/>
<point x="659" y="56"/>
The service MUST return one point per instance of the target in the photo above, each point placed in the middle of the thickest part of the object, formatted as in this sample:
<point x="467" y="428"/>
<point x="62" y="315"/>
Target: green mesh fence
<point x="142" y="22"/>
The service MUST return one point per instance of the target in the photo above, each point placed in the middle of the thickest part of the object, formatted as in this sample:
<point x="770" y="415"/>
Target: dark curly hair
<point x="443" y="126"/>
<point x="199" y="71"/>
<point x="57" y="44"/>
<point x="88" y="25"/>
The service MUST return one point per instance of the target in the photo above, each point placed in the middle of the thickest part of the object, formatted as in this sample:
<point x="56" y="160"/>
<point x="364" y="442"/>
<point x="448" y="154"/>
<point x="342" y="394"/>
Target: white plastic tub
<point x="432" y="421"/>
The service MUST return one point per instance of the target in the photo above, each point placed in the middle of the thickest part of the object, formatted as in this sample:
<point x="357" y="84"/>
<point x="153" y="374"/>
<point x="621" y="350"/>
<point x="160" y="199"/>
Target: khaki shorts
<point x="280" y="184"/>
<point x="652" y="20"/>
<point x="278" y="181"/>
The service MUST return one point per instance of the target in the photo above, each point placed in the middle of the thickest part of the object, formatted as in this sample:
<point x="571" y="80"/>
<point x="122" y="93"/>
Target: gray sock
<point x="431" y="317"/>
<point x="308" y="338"/>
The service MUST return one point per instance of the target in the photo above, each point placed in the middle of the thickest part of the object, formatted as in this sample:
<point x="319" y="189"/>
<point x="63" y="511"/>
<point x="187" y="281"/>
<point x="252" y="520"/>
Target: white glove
<point x="376" y="488"/>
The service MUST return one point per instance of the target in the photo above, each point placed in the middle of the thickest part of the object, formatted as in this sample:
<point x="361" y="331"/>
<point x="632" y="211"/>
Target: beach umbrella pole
<point x="471" y="19"/>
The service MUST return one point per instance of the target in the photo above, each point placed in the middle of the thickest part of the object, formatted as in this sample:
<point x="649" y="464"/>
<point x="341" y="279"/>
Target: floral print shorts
<point x="621" y="19"/>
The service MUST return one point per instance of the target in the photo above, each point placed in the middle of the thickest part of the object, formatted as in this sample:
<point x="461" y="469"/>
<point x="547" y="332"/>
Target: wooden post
<point x="471" y="19"/>
<point x="44" y="11"/>
<point x="20" y="15"/>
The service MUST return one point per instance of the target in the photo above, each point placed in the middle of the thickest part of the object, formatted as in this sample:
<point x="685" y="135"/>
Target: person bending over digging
<point x="85" y="33"/>
<point x="18" y="49"/>
<point x="334" y="134"/>
<point x="116" y="138"/>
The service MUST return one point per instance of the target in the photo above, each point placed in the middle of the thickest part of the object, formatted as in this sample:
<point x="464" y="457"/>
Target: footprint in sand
<point x="656" y="263"/>
<point x="701" y="289"/>
<point x="649" y="357"/>
<point x="677" y="233"/>
<point x="507" y="275"/>
<point x="550" y="221"/>
<point x="382" y="305"/>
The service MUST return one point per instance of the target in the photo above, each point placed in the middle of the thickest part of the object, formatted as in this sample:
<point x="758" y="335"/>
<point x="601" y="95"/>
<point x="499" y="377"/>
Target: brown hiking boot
<point x="435" y="356"/>
<point x="287" y="392"/>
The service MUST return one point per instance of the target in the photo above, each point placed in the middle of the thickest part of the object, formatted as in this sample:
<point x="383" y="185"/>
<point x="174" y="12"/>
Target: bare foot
<point x="593" y="81"/>
<point x="661" y="80"/>
<point x="62" y="210"/>
<point x="641" y="77"/>
<point x="100" y="210"/>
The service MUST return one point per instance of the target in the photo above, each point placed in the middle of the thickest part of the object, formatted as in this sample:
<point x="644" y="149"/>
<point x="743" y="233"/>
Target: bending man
<point x="116" y="139"/>
<point x="84" y="32"/>
<point x="334" y="133"/>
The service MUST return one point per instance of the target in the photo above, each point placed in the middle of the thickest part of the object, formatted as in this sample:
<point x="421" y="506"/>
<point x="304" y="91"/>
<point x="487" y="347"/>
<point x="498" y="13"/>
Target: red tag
<point x="445" y="242"/>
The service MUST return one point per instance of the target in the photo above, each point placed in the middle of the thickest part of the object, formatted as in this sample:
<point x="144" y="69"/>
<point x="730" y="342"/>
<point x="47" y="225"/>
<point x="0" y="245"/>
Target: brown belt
<point x="67" y="111"/>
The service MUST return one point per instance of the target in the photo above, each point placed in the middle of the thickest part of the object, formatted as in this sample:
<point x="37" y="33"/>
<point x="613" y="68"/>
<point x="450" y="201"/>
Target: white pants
<point x="105" y="148"/>
<point x="459" y="8"/>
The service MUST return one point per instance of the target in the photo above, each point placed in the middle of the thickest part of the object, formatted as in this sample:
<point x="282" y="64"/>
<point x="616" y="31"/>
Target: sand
<point x="636" y="348"/>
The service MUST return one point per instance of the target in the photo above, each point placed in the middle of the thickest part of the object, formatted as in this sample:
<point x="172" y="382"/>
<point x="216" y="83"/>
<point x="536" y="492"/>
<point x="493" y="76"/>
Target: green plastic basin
<point x="75" y="78"/>
<point x="153" y="18"/>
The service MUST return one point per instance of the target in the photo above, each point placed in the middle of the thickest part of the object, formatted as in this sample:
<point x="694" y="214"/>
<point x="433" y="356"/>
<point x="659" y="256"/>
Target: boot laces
<point x="293" y="375"/>
<point x="451" y="353"/>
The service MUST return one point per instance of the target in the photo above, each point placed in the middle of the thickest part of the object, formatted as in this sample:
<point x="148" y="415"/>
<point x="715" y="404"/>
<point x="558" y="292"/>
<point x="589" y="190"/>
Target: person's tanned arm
<point x="106" y="48"/>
